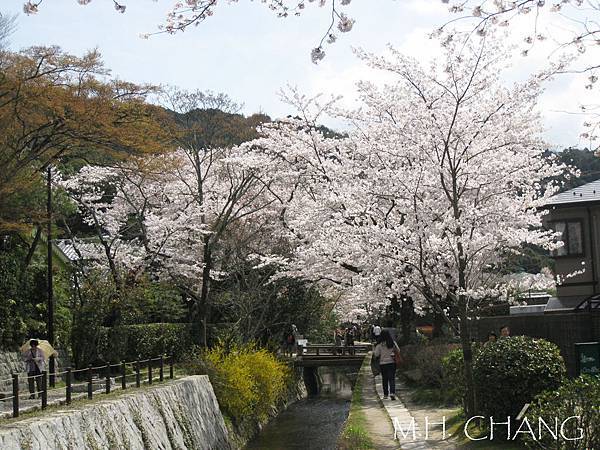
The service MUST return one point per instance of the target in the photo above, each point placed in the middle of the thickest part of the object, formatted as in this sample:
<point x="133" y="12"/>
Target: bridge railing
<point x="332" y="350"/>
<point x="98" y="380"/>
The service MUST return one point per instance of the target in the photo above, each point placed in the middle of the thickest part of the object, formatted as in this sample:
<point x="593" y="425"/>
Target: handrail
<point x="143" y="374"/>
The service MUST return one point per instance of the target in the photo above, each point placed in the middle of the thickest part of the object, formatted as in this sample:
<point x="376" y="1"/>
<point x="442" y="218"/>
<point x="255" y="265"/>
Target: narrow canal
<point x="313" y="423"/>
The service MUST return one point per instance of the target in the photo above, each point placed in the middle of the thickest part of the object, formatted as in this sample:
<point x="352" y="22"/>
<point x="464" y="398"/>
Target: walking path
<point x="378" y="423"/>
<point x="410" y="425"/>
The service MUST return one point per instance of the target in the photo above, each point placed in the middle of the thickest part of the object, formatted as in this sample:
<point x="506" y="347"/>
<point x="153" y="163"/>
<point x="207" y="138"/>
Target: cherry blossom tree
<point x="438" y="179"/>
<point x="188" y="13"/>
<point x="571" y="28"/>
<point x="167" y="215"/>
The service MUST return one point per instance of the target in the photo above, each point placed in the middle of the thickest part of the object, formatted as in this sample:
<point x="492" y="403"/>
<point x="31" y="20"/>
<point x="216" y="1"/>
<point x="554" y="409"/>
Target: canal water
<point x="313" y="423"/>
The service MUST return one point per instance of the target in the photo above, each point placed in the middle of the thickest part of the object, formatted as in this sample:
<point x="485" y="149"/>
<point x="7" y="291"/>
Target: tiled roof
<point x="589" y="192"/>
<point x="87" y="249"/>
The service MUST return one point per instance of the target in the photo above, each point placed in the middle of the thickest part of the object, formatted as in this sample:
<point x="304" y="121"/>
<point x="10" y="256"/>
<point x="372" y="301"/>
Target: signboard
<point x="588" y="358"/>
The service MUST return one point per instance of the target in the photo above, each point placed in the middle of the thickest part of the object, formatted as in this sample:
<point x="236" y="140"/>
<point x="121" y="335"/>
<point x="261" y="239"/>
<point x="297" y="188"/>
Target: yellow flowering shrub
<point x="247" y="380"/>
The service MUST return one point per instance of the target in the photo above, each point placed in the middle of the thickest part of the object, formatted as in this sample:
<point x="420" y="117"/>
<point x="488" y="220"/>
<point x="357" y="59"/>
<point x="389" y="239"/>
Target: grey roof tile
<point x="589" y="192"/>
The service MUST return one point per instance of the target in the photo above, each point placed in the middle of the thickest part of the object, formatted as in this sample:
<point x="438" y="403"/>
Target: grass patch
<point x="456" y="426"/>
<point x="354" y="436"/>
<point x="430" y="396"/>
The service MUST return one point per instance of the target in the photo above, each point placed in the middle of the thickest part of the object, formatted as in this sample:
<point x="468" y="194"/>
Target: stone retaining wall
<point x="181" y="415"/>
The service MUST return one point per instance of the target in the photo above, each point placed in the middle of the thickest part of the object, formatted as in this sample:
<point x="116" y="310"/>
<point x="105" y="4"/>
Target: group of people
<point x="346" y="336"/>
<point x="493" y="337"/>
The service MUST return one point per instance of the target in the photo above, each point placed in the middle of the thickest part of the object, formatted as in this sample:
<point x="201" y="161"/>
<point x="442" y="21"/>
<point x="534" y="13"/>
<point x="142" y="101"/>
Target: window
<point x="572" y="237"/>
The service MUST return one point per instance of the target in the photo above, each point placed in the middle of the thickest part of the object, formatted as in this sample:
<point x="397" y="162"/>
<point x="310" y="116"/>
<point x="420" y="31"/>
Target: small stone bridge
<point x="317" y="355"/>
<point x="311" y="357"/>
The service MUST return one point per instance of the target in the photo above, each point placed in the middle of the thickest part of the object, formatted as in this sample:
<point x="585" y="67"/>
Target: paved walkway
<point x="410" y="429"/>
<point x="378" y="423"/>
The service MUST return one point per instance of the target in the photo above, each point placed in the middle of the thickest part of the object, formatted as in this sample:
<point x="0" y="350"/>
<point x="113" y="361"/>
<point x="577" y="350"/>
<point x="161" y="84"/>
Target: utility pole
<point x="50" y="318"/>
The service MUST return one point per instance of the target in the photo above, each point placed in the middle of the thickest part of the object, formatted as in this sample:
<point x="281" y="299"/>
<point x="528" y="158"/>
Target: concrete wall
<point x="181" y="415"/>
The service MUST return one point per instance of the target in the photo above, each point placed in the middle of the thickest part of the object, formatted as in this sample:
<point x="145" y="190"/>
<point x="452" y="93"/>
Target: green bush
<point x="247" y="381"/>
<point x="512" y="371"/>
<point x="578" y="397"/>
<point x="428" y="360"/>
<point x="453" y="374"/>
<point x="132" y="342"/>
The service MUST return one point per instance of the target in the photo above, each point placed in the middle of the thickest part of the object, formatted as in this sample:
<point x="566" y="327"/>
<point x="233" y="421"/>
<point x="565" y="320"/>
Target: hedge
<point x="512" y="371"/>
<point x="575" y="406"/>
<point x="132" y="342"/>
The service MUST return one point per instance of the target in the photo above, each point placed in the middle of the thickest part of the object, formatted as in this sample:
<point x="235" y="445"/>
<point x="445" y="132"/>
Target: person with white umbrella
<point x="35" y="363"/>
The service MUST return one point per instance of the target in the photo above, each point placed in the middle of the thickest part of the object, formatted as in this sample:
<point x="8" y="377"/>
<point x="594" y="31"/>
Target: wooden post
<point x="52" y="368"/>
<point x="50" y="273"/>
<point x="123" y="376"/>
<point x="161" y="370"/>
<point x="89" y="381"/>
<point x="107" y="385"/>
<point x="171" y="362"/>
<point x="44" y="389"/>
<point x="137" y="374"/>
<point x="69" y="386"/>
<point x="317" y="351"/>
<point x="15" y="389"/>
<point x="149" y="370"/>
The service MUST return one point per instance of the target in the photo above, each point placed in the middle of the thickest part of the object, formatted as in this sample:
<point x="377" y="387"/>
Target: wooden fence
<point x="563" y="329"/>
<point x="97" y="380"/>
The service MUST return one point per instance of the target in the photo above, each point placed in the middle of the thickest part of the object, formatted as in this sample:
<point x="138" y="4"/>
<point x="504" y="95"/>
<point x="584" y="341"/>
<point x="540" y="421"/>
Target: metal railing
<point x="103" y="378"/>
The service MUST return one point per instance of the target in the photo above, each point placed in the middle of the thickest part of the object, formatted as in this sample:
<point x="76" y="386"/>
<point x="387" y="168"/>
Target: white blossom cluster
<point x="440" y="175"/>
<point x="579" y="31"/>
<point x="150" y="217"/>
<point x="184" y="14"/>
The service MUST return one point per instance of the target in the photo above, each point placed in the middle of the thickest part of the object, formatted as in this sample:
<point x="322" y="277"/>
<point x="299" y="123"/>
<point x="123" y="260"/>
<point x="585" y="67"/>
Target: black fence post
<point x="15" y="389"/>
<point x="137" y="374"/>
<point x="44" y="389"/>
<point x="69" y="385"/>
<point x="161" y="370"/>
<point x="123" y="376"/>
<point x="149" y="370"/>
<point x="52" y="368"/>
<point x="171" y="362"/>
<point x="90" y="387"/>
<point x="107" y="387"/>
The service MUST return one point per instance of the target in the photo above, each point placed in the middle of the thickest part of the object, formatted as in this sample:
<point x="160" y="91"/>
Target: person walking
<point x="338" y="341"/>
<point x="376" y="334"/>
<point x="386" y="351"/>
<point x="35" y="364"/>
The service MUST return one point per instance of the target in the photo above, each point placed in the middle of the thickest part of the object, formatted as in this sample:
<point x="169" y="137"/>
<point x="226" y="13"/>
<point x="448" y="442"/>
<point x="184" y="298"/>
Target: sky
<point x="245" y="51"/>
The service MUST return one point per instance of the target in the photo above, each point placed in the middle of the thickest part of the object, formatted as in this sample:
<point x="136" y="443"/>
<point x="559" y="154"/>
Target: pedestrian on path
<point x="35" y="363"/>
<point x="386" y="351"/>
<point x="376" y="334"/>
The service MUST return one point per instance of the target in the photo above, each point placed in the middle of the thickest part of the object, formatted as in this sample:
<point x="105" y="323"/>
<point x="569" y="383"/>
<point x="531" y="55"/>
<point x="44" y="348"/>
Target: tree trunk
<point x="204" y="293"/>
<point x="31" y="252"/>
<point x="465" y="340"/>
<point x="438" y="324"/>
<point x="407" y="320"/>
